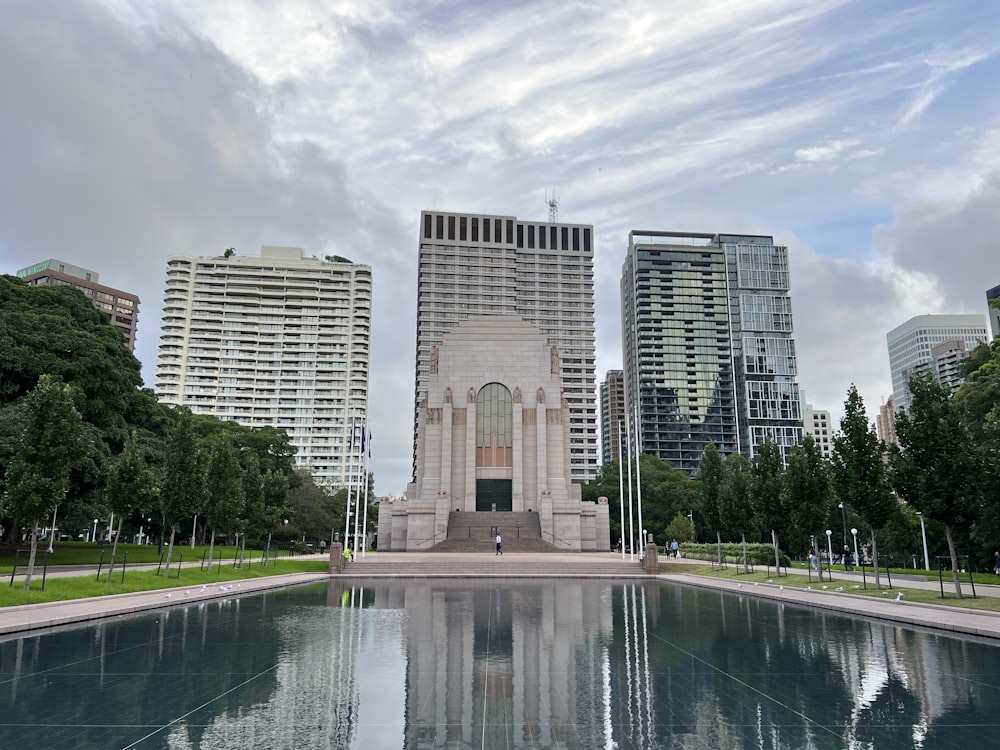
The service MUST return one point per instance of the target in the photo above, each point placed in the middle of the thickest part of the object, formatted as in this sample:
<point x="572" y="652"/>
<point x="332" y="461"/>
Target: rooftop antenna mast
<point x="553" y="206"/>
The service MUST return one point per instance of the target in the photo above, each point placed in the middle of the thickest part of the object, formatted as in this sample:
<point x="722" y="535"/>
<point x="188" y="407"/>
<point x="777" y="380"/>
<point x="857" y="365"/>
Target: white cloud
<point x="133" y="131"/>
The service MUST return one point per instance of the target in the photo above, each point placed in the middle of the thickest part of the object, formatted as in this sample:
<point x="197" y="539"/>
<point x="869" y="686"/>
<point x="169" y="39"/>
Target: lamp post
<point x="843" y="516"/>
<point x="854" y="533"/>
<point x="93" y="534"/>
<point x="923" y="536"/>
<point x="829" y="546"/>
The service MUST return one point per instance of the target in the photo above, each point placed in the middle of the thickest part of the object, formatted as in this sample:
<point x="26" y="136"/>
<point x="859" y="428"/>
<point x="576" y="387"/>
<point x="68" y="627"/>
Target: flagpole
<point x="638" y="480"/>
<point x="621" y="490"/>
<point x="364" y="526"/>
<point x="350" y="471"/>
<point x="357" y="495"/>
<point x="628" y="453"/>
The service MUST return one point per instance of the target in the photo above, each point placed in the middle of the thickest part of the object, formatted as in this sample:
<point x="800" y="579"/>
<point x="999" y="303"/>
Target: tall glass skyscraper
<point x="707" y="344"/>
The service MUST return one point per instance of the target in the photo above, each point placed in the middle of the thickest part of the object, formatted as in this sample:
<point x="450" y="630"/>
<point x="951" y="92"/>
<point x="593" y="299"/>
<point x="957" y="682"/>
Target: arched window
<point x="494" y="427"/>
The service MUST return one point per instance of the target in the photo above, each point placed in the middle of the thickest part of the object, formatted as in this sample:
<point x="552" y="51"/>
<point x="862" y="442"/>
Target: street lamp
<point x="923" y="535"/>
<point x="829" y="545"/>
<point x="843" y="515"/>
<point x="854" y="532"/>
<point x="93" y="535"/>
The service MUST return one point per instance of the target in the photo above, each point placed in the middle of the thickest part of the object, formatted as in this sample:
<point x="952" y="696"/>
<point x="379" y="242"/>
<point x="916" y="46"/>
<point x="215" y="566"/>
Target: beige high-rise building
<point x="612" y="415"/>
<point x="277" y="339"/>
<point x="541" y="272"/>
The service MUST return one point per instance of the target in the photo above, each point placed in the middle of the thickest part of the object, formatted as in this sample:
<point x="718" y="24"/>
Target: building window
<point x="494" y="427"/>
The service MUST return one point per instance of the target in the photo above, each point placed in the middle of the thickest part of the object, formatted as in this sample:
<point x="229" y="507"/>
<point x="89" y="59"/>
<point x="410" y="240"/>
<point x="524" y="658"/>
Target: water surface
<point x="495" y="664"/>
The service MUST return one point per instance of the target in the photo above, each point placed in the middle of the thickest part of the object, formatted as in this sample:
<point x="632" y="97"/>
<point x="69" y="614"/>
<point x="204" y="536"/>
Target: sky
<point x="864" y="136"/>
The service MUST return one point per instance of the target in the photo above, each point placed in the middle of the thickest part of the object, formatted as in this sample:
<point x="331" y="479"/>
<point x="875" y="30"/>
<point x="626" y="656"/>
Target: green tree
<point x="183" y="478"/>
<point x="860" y="476"/>
<point x="53" y="441"/>
<point x="251" y="516"/>
<point x="767" y="493"/>
<point x="224" y="495"/>
<point x="711" y="474"/>
<point x="735" y="499"/>
<point x="808" y="489"/>
<point x="680" y="528"/>
<point x="132" y="486"/>
<point x="56" y="330"/>
<point x="276" y="508"/>
<point x="937" y="468"/>
<point x="978" y="401"/>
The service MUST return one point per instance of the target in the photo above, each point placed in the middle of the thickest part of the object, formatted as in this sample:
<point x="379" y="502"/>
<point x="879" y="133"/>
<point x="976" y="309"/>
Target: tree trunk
<point x="813" y="552"/>
<point x="777" y="553"/>
<point x="746" y="567"/>
<point x="718" y="541"/>
<point x="267" y="549"/>
<point x="114" y="547"/>
<point x="875" y="557"/>
<point x="170" y="550"/>
<point x="31" y="555"/>
<point x="211" y="548"/>
<point x="954" y="561"/>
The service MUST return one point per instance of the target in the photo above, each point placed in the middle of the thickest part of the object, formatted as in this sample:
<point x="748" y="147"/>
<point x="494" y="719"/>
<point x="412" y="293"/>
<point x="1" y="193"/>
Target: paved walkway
<point x="16" y="621"/>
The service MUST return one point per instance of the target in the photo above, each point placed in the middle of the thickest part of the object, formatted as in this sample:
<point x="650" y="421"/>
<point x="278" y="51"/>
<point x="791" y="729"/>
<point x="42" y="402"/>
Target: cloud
<point x="133" y="131"/>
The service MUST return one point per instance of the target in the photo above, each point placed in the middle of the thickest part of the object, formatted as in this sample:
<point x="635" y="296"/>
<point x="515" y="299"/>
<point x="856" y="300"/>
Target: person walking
<point x="499" y="550"/>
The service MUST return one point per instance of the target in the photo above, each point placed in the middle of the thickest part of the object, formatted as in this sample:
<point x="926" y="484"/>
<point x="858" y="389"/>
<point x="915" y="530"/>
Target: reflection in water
<point x="540" y="664"/>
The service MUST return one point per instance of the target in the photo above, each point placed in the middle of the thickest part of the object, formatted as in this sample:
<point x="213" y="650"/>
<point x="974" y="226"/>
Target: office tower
<point x="994" y="312"/>
<point x="817" y="422"/>
<point x="121" y="307"/>
<point x="707" y="344"/>
<point x="612" y="414"/>
<point x="911" y="349"/>
<point x="272" y="340"/>
<point x="541" y="272"/>
<point x="885" y="422"/>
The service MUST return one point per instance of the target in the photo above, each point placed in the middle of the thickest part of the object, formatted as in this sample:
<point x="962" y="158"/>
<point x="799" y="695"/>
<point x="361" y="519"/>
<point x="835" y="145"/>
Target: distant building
<point x="707" y="344"/>
<point x="912" y="349"/>
<point x="121" y="307"/>
<point x="612" y="415"/>
<point x="275" y="340"/>
<point x="817" y="422"/>
<point x="885" y="423"/>
<point x="994" y="313"/>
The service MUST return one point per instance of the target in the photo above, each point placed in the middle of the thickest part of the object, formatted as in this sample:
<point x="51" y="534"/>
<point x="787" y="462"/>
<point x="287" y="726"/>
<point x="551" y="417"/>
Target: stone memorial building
<point x="493" y="450"/>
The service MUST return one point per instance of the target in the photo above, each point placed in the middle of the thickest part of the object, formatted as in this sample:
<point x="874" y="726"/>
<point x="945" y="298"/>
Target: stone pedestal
<point x="336" y="558"/>
<point x="651" y="562"/>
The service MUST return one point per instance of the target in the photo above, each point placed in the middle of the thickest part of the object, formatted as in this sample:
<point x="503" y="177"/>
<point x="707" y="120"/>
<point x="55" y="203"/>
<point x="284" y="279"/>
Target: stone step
<point x="492" y="565"/>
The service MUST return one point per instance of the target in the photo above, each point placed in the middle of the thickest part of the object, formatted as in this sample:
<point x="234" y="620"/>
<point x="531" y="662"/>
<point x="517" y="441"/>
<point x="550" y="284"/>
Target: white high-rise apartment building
<point x="541" y="272"/>
<point x="272" y="340"/>
<point x="817" y="422"/>
<point x="911" y="348"/>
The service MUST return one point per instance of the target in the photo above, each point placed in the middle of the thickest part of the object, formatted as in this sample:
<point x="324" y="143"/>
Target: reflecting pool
<point x="496" y="664"/>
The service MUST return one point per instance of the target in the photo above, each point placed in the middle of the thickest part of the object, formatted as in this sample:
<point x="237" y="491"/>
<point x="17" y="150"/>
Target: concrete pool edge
<point x="950" y="620"/>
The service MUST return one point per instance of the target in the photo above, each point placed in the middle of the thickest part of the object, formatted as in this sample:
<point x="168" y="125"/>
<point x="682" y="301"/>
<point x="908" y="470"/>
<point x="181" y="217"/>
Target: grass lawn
<point x="85" y="586"/>
<point x="89" y="553"/>
<point x="797" y="579"/>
